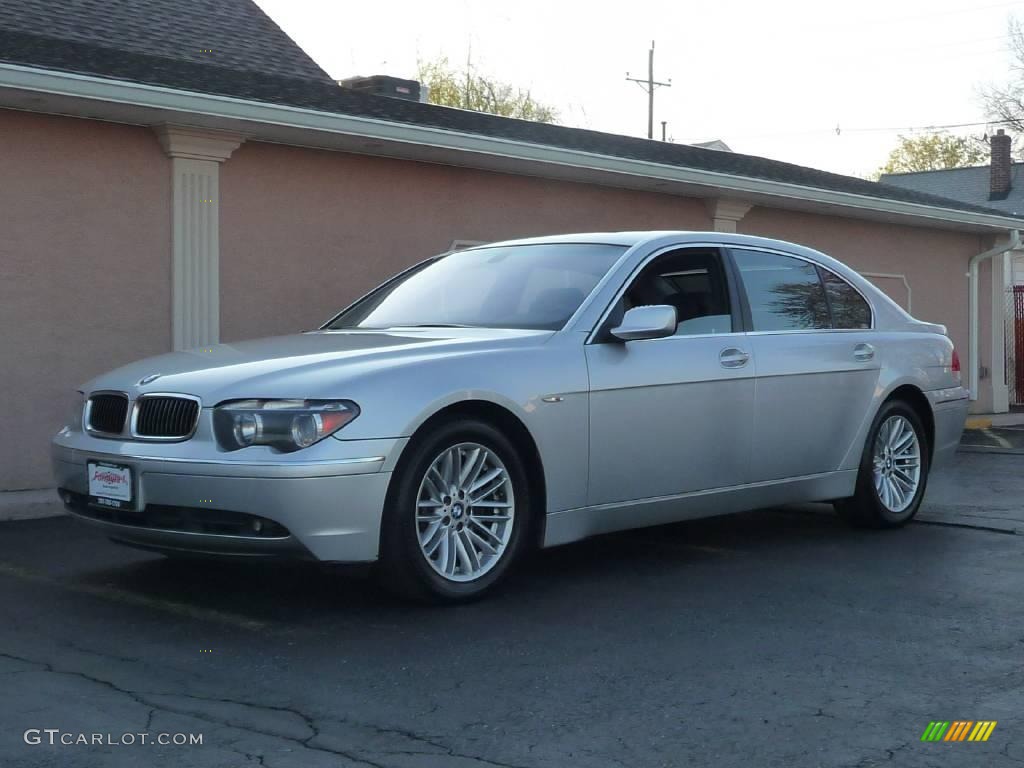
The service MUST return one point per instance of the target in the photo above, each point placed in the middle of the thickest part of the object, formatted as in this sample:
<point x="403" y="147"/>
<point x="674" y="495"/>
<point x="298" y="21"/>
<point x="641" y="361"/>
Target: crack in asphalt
<point x="890" y="755"/>
<point x="1005" y="752"/>
<point x="139" y="697"/>
<point x="970" y="526"/>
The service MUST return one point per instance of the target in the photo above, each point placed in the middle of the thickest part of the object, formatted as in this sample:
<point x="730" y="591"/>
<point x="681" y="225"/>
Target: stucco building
<point x="179" y="173"/>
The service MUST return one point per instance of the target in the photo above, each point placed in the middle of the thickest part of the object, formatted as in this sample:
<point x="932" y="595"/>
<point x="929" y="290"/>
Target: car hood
<point x="309" y="365"/>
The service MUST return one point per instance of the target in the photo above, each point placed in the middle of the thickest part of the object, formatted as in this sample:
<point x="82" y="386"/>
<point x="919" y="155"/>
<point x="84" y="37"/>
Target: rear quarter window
<point x="849" y="309"/>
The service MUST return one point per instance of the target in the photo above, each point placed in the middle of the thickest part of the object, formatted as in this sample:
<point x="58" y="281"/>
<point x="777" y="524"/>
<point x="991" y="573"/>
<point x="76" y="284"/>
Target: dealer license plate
<point x="110" y="485"/>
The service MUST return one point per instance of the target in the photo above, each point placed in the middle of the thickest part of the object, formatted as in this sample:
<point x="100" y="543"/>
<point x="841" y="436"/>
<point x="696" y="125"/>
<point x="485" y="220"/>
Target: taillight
<point x="956" y="362"/>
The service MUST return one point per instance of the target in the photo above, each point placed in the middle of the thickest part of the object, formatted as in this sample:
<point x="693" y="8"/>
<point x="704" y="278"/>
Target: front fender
<point x="396" y="402"/>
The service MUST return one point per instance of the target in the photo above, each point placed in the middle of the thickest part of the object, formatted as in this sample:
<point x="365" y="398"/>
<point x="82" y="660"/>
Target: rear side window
<point x="784" y="293"/>
<point x="849" y="310"/>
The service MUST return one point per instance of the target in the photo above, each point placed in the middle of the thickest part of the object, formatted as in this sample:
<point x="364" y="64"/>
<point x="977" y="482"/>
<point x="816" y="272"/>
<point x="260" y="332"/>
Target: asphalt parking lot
<point x="777" y="638"/>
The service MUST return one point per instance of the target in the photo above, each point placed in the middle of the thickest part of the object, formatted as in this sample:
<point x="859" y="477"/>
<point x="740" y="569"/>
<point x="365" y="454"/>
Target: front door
<point x="817" y="366"/>
<point x="673" y="415"/>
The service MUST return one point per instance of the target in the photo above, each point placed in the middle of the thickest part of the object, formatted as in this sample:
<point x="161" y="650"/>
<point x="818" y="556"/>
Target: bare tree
<point x="1005" y="104"/>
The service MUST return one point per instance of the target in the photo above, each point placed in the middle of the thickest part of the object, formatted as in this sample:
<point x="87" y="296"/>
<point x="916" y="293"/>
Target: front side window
<point x="692" y="281"/>
<point x="784" y="293"/>
<point x="849" y="310"/>
<point x="525" y="286"/>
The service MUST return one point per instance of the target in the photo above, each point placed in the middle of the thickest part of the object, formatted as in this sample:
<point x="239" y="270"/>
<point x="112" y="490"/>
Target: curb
<point x="968" y="448"/>
<point x="30" y="505"/>
<point x="978" y="422"/>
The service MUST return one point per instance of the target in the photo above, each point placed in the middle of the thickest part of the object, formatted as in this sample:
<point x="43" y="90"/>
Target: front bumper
<point x="324" y="509"/>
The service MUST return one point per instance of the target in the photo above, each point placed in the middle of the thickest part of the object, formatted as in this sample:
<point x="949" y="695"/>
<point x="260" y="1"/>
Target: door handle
<point x="862" y="353"/>
<point x="733" y="358"/>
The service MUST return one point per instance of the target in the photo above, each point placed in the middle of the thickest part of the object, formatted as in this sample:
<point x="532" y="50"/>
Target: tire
<point x="877" y="502"/>
<point x="428" y="530"/>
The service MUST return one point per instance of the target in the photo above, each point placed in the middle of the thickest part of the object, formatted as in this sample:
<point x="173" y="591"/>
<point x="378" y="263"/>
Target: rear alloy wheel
<point x="893" y="470"/>
<point x="456" y="517"/>
<point x="896" y="464"/>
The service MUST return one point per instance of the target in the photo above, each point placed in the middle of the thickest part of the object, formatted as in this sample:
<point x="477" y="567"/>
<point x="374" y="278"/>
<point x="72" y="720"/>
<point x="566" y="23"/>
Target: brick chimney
<point x="999" y="185"/>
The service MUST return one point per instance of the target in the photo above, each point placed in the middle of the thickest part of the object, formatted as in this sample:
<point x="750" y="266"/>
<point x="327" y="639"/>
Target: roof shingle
<point x="162" y="45"/>
<point x="231" y="33"/>
<point x="970" y="185"/>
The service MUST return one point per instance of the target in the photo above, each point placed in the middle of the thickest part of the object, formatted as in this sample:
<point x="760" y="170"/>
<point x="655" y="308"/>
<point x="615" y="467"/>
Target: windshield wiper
<point x="436" y="325"/>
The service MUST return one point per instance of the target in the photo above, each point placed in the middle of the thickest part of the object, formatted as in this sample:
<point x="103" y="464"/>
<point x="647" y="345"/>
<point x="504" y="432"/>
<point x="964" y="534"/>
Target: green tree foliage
<point x="468" y="89"/>
<point x="934" y="152"/>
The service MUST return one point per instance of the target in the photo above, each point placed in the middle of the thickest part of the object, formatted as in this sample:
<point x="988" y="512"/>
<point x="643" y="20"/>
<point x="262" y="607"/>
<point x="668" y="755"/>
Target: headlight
<point x="286" y="425"/>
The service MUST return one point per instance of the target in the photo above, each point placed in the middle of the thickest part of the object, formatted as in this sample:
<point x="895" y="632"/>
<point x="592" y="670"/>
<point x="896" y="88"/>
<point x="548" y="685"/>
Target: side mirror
<point x="653" y="322"/>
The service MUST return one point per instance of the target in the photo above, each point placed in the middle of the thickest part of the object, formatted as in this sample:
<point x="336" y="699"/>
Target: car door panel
<point x="667" y="417"/>
<point x="816" y="367"/>
<point x="813" y="389"/>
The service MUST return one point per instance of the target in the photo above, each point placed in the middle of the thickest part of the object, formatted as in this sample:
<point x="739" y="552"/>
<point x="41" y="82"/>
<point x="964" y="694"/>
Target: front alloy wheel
<point x="465" y="512"/>
<point x="457" y="513"/>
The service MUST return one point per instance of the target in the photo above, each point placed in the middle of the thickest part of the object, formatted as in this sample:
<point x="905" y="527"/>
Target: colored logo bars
<point x="958" y="730"/>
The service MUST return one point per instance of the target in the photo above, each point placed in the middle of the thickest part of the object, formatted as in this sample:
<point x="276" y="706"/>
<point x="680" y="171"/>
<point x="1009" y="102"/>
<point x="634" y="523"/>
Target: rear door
<point x="816" y="364"/>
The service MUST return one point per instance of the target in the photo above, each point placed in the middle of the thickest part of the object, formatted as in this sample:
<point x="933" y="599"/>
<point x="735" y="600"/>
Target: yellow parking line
<point x="132" y="598"/>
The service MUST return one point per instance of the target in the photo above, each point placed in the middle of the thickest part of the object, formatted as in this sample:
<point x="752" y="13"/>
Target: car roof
<point x="632" y="238"/>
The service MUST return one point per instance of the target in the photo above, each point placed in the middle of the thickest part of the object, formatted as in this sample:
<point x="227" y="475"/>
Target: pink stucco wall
<point x="85" y="253"/>
<point x="933" y="261"/>
<point x="84" y="270"/>
<point x="304" y="232"/>
<point x="328" y="226"/>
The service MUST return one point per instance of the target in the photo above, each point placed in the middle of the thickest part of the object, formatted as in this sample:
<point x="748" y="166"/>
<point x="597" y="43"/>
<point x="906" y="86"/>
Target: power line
<point x="649" y="85"/>
<point x="885" y="19"/>
<point x="838" y="130"/>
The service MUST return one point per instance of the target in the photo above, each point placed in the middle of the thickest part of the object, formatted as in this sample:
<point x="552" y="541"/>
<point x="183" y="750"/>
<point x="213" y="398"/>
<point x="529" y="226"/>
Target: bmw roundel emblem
<point x="148" y="379"/>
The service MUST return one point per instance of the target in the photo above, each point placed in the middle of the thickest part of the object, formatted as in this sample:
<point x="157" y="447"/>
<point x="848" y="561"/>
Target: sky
<point x="829" y="85"/>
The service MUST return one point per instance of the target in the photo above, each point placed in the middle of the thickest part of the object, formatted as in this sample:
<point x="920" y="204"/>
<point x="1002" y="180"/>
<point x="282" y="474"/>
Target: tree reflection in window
<point x="849" y="310"/>
<point x="785" y="294"/>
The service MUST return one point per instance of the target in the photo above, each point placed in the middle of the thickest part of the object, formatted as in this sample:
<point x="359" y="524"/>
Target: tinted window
<point x="785" y="294"/>
<point x="525" y="286"/>
<point x="691" y="281"/>
<point x="849" y="310"/>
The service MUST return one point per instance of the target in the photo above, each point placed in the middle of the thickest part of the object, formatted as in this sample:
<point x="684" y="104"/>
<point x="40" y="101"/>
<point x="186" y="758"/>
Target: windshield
<point x="523" y="286"/>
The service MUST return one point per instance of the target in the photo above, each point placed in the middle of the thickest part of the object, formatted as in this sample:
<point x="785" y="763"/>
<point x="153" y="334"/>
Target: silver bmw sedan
<point x="525" y="394"/>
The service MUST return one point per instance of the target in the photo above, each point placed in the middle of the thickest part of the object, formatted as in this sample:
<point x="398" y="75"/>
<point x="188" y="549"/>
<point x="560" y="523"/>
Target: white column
<point x="196" y="155"/>
<point x="1002" y="278"/>
<point x="726" y="213"/>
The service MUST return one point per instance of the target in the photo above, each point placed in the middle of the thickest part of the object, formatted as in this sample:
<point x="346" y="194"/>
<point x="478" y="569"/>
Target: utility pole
<point x="649" y="85"/>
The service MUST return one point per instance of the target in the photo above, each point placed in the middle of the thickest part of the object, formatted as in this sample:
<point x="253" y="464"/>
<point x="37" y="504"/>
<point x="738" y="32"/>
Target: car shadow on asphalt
<point x="288" y="594"/>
